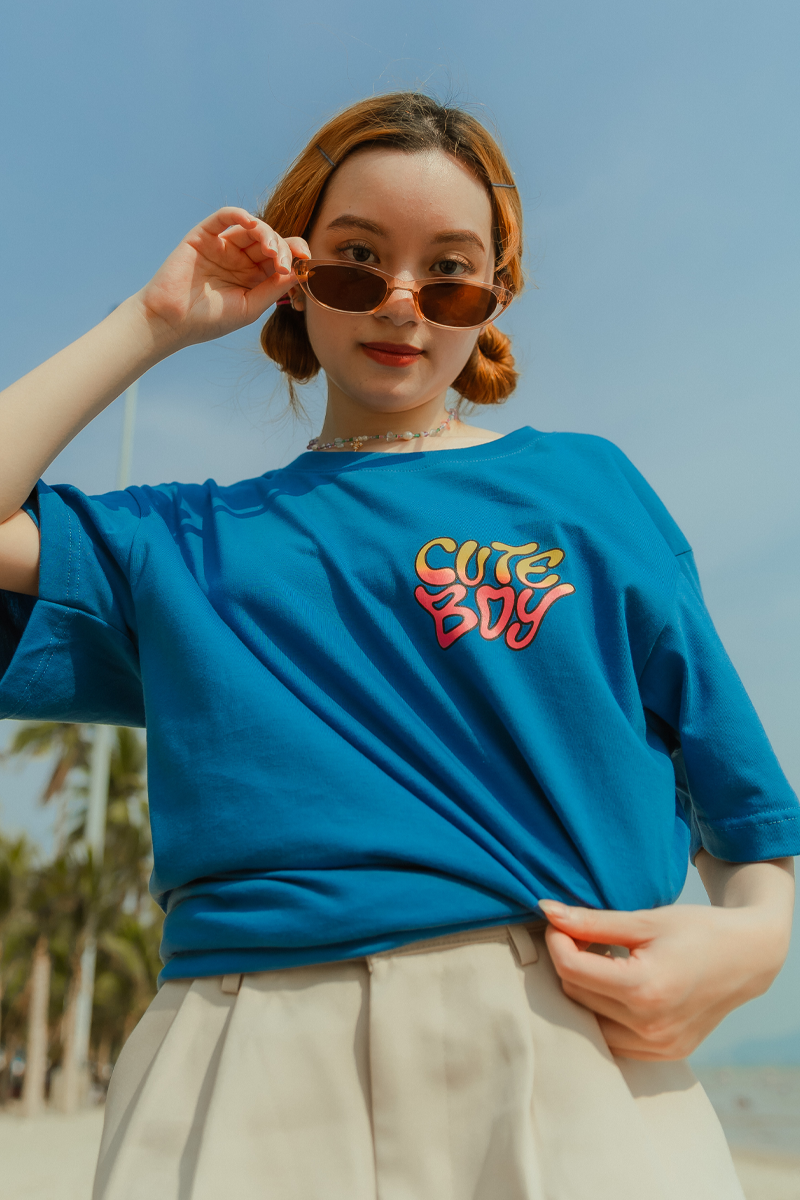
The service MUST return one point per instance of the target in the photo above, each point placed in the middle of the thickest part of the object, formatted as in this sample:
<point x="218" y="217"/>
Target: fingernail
<point x="555" y="907"/>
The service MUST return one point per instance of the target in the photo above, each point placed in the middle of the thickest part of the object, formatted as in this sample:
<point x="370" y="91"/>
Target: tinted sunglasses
<point x="450" y="303"/>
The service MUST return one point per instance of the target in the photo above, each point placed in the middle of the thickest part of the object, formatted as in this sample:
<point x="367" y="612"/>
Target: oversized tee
<point x="392" y="696"/>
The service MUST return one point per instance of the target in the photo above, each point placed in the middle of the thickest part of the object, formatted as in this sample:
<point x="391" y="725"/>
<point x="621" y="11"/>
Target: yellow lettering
<point x="501" y="569"/>
<point x="435" y="575"/>
<point x="548" y="558"/>
<point x="465" y="553"/>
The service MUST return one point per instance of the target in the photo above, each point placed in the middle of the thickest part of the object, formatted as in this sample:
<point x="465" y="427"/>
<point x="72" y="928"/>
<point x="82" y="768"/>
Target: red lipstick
<point x="392" y="354"/>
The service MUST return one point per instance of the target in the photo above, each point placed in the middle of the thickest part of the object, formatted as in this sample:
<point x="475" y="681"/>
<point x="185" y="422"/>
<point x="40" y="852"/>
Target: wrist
<point x="761" y="928"/>
<point x="154" y="337"/>
<point x="757" y="900"/>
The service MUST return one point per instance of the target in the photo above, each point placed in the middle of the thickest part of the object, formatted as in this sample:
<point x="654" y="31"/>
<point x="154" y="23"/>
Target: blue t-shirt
<point x="391" y="696"/>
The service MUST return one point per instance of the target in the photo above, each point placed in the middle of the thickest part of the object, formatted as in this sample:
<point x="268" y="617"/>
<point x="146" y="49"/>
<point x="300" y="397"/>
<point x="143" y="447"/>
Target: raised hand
<point x="688" y="966"/>
<point x="223" y="275"/>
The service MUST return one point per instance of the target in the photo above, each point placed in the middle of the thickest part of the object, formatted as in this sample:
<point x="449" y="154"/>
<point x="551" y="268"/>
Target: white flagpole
<point x="99" y="770"/>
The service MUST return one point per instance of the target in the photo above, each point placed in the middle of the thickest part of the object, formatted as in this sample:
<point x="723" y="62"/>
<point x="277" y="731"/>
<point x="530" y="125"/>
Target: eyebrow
<point x="447" y="237"/>
<point x="459" y="235"/>
<point x="347" y="221"/>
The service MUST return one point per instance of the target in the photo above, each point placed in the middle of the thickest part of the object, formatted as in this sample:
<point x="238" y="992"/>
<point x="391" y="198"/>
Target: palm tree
<point x="115" y="899"/>
<point x="128" y="966"/>
<point x="33" y="1092"/>
<point x="57" y="895"/>
<point x="72" y="898"/>
<point x="36" y="928"/>
<point x="15" y="863"/>
<point x="68" y="745"/>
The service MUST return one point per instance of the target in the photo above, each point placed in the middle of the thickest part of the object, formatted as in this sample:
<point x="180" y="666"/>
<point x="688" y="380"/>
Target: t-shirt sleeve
<point x="741" y="807"/>
<point x="72" y="654"/>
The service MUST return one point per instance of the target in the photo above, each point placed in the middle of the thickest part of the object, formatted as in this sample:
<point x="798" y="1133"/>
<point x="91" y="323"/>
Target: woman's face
<point x="415" y="216"/>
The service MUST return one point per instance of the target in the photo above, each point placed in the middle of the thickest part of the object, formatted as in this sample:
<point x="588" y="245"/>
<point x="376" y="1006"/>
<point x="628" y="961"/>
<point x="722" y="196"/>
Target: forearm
<point x="736" y="885"/>
<point x="43" y="411"/>
<point x="765" y="889"/>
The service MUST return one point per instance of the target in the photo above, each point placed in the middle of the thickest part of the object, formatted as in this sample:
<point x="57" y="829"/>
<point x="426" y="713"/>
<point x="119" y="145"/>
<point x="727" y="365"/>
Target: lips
<point x="392" y="354"/>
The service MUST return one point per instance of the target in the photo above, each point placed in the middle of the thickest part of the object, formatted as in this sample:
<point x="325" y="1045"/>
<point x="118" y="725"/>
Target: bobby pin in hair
<point x="508" y="185"/>
<point x="327" y="157"/>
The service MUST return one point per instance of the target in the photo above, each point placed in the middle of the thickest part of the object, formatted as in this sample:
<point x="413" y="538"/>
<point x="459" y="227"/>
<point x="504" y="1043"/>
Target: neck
<point x="346" y="418"/>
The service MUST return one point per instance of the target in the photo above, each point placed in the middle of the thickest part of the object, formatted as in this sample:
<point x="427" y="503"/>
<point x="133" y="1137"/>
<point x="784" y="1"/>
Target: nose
<point x="399" y="306"/>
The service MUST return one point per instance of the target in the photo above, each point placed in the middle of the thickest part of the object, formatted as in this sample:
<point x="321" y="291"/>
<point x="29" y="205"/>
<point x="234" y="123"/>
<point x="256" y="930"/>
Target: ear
<point x="298" y="299"/>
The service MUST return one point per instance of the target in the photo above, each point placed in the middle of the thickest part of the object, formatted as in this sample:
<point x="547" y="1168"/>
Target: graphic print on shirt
<point x="503" y="609"/>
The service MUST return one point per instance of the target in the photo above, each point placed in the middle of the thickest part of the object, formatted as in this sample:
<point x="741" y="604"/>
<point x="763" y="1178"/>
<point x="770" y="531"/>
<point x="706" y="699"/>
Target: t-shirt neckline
<point x="329" y="463"/>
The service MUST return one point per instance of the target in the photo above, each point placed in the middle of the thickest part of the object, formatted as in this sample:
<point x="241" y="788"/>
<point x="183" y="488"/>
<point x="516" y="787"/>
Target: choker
<point x="358" y="441"/>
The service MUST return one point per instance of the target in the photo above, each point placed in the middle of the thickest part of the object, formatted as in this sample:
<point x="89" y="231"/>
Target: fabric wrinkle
<point x="467" y="710"/>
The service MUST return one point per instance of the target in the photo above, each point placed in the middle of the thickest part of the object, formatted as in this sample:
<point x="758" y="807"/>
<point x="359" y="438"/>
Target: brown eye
<point x="450" y="267"/>
<point x="360" y="254"/>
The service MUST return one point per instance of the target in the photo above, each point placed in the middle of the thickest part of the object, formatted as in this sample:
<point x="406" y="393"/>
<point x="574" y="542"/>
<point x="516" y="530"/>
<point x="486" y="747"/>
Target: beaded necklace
<point x="358" y="441"/>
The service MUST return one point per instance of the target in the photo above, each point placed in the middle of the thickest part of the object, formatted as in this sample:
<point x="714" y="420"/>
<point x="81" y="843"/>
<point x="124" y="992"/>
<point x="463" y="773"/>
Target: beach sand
<point x="759" y="1107"/>
<point x="768" y="1177"/>
<point x="52" y="1157"/>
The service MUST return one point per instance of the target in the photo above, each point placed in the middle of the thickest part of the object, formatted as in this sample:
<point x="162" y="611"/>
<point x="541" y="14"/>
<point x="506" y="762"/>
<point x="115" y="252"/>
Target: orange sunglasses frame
<point x="300" y="266"/>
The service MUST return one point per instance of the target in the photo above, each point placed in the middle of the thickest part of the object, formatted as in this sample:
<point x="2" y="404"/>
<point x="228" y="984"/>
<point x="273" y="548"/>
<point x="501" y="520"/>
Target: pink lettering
<point x="450" y="608"/>
<point x="483" y="595"/>
<point x="535" y="615"/>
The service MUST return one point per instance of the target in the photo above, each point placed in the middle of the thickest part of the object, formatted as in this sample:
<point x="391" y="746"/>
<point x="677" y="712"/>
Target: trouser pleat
<point x="290" y="1114"/>
<point x="452" y="1077"/>
<point x="165" y="1116"/>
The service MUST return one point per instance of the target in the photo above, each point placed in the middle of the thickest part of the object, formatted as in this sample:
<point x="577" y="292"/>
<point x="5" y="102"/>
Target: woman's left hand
<point x="688" y="967"/>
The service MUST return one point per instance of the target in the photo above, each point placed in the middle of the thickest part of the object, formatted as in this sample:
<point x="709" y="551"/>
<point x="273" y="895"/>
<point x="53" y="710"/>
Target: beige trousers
<point x="455" y="1069"/>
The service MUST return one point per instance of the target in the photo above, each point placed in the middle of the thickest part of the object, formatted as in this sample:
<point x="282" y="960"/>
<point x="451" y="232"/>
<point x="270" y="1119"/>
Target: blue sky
<point x="656" y="147"/>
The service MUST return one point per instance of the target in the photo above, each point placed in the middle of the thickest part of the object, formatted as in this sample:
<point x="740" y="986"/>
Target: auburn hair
<point x="412" y="122"/>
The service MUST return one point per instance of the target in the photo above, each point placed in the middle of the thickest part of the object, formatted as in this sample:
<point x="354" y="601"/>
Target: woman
<point x="403" y="696"/>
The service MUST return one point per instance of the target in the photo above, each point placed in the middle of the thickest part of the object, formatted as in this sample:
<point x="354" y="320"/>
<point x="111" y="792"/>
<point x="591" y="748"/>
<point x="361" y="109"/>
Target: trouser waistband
<point x="519" y="937"/>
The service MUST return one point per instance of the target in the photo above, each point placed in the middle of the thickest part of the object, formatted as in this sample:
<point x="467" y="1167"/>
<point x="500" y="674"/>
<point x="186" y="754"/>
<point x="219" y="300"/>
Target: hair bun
<point x="284" y="340"/>
<point x="489" y="376"/>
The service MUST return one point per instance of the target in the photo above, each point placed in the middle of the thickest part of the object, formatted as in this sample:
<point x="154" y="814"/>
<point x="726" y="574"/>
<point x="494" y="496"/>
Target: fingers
<point x="261" y="243"/>
<point x="666" y="1045"/>
<point x="223" y="218"/>
<point x="600" y="1005"/>
<point x="665" y="1035"/>
<point x="600" y="925"/>
<point x="262" y="246"/>
<point x="641" y="1010"/>
<point x="614" y="977"/>
<point x="624" y="1043"/>
<point x="259" y="298"/>
<point x="298" y="247"/>
<point x="234" y="229"/>
<point x="630" y="991"/>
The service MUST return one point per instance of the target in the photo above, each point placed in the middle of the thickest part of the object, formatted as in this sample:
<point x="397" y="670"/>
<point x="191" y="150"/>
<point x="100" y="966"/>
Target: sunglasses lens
<point x="459" y="305"/>
<point x="348" y="289"/>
